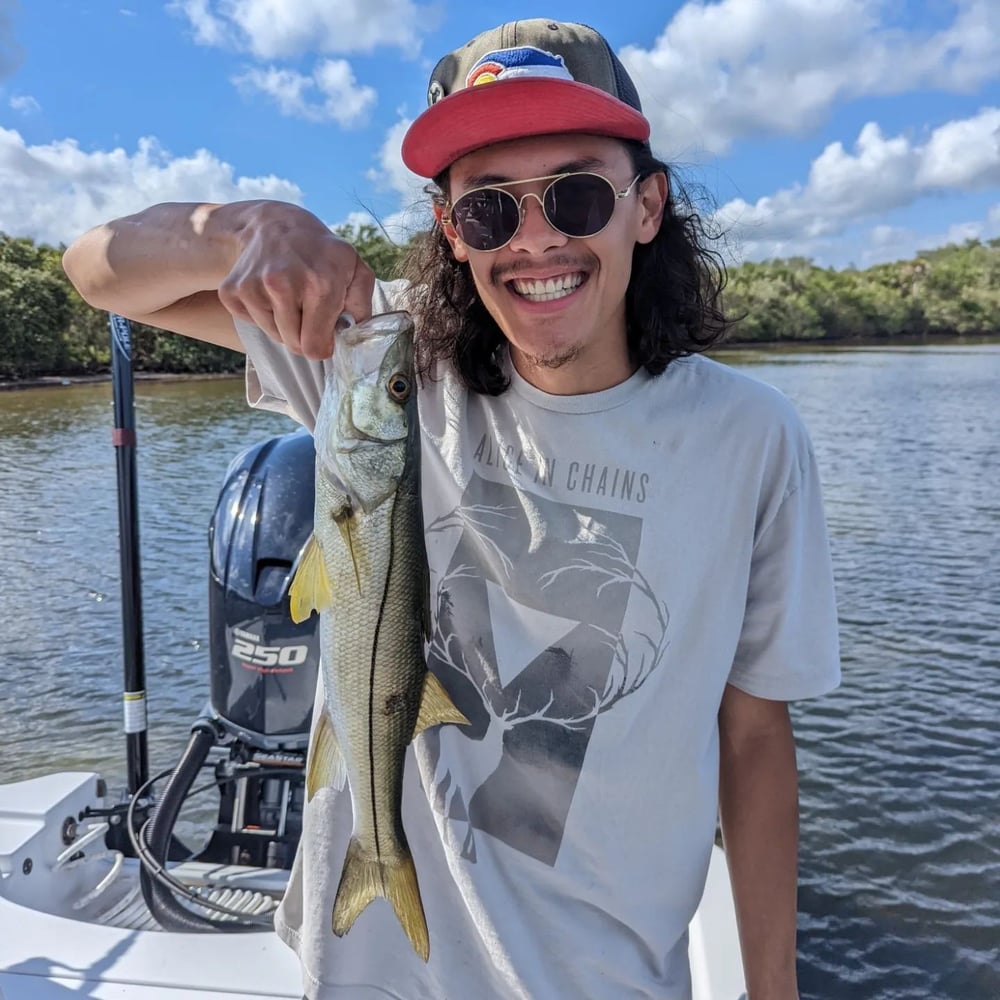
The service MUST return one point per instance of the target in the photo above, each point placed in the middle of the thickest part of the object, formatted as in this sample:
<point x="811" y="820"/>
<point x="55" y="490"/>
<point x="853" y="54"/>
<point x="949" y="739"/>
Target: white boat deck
<point x="47" y="955"/>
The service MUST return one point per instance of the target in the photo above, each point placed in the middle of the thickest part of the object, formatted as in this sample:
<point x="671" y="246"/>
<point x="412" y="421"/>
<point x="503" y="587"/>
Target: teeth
<point x="547" y="289"/>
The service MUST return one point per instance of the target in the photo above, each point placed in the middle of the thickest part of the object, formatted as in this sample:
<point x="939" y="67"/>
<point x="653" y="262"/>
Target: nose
<point x="535" y="235"/>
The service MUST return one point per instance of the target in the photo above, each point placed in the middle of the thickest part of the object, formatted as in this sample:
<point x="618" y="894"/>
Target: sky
<point x="847" y="131"/>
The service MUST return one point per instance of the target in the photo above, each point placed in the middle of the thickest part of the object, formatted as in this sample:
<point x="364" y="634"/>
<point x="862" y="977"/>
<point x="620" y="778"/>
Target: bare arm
<point x="758" y="798"/>
<point x="191" y="268"/>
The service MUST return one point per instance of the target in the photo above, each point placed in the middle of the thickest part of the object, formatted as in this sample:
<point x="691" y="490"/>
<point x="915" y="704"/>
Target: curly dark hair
<point x="672" y="304"/>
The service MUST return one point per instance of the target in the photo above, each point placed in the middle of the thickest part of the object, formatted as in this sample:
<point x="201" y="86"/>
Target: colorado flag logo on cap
<point x="524" y="61"/>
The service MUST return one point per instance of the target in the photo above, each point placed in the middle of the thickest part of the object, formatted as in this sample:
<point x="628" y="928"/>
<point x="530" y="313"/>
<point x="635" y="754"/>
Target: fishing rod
<point x="123" y="439"/>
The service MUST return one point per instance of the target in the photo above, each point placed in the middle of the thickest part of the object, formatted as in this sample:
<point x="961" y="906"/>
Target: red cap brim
<point x="513" y="109"/>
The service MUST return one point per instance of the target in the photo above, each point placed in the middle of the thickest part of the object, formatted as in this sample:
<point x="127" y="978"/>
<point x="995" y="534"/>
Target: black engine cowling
<point x="263" y="665"/>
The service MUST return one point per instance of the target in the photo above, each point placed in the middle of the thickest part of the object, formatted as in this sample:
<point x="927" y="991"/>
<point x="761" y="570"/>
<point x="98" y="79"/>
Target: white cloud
<point x="889" y="243"/>
<point x="24" y="104"/>
<point x="355" y="220"/>
<point x="208" y="29"/>
<point x="390" y="174"/>
<point x="964" y="154"/>
<point x="276" y="29"/>
<point x="878" y="175"/>
<point x="54" y="192"/>
<point x="886" y="236"/>
<point x="962" y="232"/>
<point x="341" y="99"/>
<point x="724" y="71"/>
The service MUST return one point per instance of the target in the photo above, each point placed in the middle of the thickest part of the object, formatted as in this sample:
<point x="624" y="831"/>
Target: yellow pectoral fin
<point x="436" y="706"/>
<point x="325" y="765"/>
<point x="310" y="590"/>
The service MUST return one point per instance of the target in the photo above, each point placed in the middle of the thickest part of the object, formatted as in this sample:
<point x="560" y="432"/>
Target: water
<point x="900" y="786"/>
<point x="60" y="610"/>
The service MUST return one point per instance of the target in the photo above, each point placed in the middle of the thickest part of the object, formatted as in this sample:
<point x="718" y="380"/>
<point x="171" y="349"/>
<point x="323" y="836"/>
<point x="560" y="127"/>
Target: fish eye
<point x="399" y="387"/>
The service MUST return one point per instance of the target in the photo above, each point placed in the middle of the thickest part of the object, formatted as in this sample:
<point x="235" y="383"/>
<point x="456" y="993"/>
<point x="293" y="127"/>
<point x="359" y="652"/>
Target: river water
<point x="900" y="786"/>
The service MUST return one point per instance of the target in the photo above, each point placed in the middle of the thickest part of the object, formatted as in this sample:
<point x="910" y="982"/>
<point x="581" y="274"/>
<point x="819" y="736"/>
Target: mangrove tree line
<point x="46" y="328"/>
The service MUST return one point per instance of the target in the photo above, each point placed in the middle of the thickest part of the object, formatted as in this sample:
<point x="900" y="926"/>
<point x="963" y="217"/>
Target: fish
<point x="364" y="570"/>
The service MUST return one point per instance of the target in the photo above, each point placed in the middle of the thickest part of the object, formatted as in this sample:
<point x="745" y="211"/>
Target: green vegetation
<point x="953" y="291"/>
<point x="46" y="328"/>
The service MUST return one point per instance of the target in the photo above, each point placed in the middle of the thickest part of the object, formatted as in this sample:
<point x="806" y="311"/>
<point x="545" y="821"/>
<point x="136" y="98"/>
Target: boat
<point x="99" y="896"/>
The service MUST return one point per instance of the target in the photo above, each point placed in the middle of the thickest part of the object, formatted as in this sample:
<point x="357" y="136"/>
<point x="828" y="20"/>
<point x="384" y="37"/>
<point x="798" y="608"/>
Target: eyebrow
<point x="572" y="166"/>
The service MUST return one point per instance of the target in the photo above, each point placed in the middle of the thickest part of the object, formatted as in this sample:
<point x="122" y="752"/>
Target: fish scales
<point x="365" y="571"/>
<point x="370" y="646"/>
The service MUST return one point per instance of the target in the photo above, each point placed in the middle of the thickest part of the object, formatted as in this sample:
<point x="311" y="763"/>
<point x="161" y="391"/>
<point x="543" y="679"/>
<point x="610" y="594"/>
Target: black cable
<point x="158" y="872"/>
<point x="151" y="842"/>
<point x="165" y="907"/>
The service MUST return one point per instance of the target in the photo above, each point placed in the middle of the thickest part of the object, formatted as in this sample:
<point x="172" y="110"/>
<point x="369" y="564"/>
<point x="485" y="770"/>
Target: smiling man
<point x="630" y="575"/>
<point x="555" y="297"/>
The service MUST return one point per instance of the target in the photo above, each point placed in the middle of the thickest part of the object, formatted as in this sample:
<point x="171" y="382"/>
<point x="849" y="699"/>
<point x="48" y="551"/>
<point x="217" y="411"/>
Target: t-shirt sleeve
<point x="287" y="383"/>
<point x="788" y="647"/>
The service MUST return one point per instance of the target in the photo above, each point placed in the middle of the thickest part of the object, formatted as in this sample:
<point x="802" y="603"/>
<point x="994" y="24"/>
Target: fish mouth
<point x="547" y="288"/>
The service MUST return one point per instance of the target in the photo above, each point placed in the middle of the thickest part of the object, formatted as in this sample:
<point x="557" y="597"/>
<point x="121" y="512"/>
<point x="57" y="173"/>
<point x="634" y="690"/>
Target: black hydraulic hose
<point x="171" y="914"/>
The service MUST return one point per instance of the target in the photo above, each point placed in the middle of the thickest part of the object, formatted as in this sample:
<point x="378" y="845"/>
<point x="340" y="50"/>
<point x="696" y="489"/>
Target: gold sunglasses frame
<point x="620" y="195"/>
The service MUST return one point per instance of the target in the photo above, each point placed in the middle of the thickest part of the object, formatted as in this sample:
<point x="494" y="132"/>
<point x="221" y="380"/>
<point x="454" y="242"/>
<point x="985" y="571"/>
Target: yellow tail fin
<point x="365" y="877"/>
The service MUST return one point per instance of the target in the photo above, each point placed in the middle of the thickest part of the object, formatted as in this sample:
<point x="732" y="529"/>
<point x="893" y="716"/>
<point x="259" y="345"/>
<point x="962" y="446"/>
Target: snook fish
<point x="365" y="571"/>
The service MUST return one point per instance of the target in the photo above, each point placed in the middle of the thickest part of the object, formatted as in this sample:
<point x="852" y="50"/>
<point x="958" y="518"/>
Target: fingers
<point x="319" y="320"/>
<point x="295" y="293"/>
<point x="322" y="308"/>
<point x="361" y="287"/>
<point x="281" y="295"/>
<point x="254" y="310"/>
<point x="288" y="323"/>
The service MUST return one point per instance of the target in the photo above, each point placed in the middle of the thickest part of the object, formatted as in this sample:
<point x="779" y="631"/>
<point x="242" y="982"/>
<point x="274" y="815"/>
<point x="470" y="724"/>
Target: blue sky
<point x="848" y="131"/>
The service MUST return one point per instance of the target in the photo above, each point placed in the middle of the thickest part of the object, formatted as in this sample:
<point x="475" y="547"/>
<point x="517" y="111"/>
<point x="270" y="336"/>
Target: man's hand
<point x="191" y="268"/>
<point x="293" y="278"/>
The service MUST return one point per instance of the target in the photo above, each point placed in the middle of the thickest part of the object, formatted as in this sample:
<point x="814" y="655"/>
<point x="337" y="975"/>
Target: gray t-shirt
<point x="601" y="567"/>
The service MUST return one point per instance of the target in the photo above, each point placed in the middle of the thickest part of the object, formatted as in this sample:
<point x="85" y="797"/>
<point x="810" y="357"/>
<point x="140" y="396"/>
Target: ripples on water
<point x="900" y="855"/>
<point x="60" y="609"/>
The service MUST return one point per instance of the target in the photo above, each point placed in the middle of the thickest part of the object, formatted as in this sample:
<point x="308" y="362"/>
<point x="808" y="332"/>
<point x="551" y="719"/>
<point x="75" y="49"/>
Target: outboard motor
<point x="263" y="677"/>
<point x="263" y="664"/>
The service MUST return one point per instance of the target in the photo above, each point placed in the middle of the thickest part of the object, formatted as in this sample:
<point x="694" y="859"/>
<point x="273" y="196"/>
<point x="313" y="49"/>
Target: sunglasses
<point x="578" y="205"/>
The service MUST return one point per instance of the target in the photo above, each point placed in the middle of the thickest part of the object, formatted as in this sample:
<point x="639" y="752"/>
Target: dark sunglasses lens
<point x="486" y="219"/>
<point x="580" y="204"/>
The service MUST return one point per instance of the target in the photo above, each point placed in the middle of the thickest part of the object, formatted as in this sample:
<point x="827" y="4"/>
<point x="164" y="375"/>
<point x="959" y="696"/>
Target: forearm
<point x="142" y="263"/>
<point x="758" y="798"/>
<point x="194" y="268"/>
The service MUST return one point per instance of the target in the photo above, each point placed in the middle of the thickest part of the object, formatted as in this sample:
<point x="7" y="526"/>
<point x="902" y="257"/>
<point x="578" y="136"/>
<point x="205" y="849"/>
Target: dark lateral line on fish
<point x="371" y="694"/>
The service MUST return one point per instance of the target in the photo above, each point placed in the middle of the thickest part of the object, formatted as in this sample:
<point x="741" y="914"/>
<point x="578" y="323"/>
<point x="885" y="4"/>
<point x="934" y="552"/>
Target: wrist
<point x="784" y="987"/>
<point x="272" y="225"/>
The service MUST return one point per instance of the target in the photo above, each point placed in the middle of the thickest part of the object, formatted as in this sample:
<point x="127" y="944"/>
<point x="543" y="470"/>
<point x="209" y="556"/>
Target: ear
<point x="653" y="192"/>
<point x="458" y="248"/>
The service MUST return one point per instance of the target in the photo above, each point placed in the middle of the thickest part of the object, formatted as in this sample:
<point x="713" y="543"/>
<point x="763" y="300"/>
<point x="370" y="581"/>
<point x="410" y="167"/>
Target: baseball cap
<point x="524" y="78"/>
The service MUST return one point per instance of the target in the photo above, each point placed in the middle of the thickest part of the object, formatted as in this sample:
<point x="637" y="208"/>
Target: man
<point x="629" y="563"/>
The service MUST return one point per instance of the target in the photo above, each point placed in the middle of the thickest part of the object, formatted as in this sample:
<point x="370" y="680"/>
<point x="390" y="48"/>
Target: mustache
<point x="500" y="273"/>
